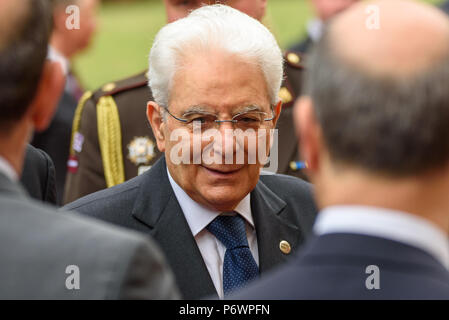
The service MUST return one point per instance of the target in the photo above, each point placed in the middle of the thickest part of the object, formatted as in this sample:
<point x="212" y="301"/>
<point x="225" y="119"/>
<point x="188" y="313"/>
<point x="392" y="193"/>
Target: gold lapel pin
<point x="285" y="247"/>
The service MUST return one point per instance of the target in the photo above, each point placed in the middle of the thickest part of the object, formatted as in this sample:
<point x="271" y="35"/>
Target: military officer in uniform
<point x="112" y="141"/>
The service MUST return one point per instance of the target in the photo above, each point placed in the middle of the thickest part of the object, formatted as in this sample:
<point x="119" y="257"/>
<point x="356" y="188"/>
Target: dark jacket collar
<point x="350" y="248"/>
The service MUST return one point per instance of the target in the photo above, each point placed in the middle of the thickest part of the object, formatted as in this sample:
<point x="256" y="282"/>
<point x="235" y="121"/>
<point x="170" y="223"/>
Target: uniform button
<point x="108" y="87"/>
<point x="285" y="247"/>
<point x="293" y="58"/>
<point x="285" y="95"/>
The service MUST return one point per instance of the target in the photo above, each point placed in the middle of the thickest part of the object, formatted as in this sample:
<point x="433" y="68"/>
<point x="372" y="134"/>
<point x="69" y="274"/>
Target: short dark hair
<point x="388" y="125"/>
<point x="22" y="59"/>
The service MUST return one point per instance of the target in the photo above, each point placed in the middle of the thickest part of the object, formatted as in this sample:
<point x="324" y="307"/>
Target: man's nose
<point x="228" y="146"/>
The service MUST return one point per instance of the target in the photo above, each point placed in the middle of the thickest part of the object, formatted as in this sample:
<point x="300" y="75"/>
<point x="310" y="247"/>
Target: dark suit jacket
<point x="38" y="244"/>
<point x="445" y="7"/>
<point x="56" y="139"/>
<point x="282" y="208"/>
<point x="303" y="46"/>
<point x="333" y="266"/>
<point x="38" y="175"/>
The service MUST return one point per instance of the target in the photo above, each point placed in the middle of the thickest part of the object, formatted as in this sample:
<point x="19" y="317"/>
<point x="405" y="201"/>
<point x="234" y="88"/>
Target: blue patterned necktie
<point x="239" y="265"/>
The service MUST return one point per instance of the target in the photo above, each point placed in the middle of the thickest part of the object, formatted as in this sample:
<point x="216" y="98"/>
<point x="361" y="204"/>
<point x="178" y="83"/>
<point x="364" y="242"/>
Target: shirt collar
<point x="390" y="224"/>
<point x="55" y="55"/>
<point x="315" y="29"/>
<point x="8" y="170"/>
<point x="199" y="216"/>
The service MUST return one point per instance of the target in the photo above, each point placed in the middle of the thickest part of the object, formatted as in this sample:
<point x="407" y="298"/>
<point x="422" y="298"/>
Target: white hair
<point x="218" y="27"/>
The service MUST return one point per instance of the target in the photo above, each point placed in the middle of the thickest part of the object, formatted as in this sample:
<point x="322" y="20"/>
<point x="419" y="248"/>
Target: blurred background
<point x="126" y="29"/>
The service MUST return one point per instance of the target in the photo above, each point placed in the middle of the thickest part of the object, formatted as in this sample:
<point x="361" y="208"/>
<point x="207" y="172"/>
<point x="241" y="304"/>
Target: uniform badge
<point x="141" y="150"/>
<point x="72" y="164"/>
<point x="78" y="140"/>
<point x="142" y="169"/>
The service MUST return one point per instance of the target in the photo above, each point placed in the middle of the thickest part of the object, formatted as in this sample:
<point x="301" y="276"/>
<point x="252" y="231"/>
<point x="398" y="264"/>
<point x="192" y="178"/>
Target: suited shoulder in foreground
<point x="45" y="254"/>
<point x="219" y="225"/>
<point x="38" y="175"/>
<point x="57" y="255"/>
<point x="374" y="131"/>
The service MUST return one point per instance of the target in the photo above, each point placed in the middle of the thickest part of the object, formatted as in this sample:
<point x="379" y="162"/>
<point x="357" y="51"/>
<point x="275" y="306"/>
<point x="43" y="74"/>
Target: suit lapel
<point x="157" y="207"/>
<point x="271" y="228"/>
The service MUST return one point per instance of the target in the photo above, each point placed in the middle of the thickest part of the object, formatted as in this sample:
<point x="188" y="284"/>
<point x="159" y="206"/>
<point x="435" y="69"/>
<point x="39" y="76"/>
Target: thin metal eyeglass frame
<point x="221" y="121"/>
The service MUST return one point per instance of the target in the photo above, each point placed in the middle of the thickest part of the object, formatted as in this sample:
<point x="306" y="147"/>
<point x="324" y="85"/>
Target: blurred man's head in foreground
<point x="67" y="40"/>
<point x="29" y="85"/>
<point x="377" y="107"/>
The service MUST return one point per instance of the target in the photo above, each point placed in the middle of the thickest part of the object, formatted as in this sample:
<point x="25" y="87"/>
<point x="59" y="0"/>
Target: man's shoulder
<point x="125" y="93"/>
<point x="125" y="86"/>
<point x="55" y="245"/>
<point x="38" y="175"/>
<point x="37" y="159"/>
<point x="75" y="226"/>
<point x="113" y="198"/>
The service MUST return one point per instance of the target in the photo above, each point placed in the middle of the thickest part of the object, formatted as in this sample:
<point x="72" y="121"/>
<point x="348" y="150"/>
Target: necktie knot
<point x="229" y="230"/>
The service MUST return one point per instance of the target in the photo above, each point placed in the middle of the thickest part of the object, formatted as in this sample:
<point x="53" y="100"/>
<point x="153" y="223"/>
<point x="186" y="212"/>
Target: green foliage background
<point x="127" y="29"/>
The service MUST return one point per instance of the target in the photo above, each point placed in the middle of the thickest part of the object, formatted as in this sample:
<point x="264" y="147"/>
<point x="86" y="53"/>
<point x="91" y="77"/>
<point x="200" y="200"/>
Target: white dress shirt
<point x="8" y="170"/>
<point x="55" y="55"/>
<point x="212" y="250"/>
<point x="389" y="224"/>
<point x="315" y="29"/>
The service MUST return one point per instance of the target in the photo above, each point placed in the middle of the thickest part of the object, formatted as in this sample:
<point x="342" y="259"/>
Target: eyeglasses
<point x="245" y="120"/>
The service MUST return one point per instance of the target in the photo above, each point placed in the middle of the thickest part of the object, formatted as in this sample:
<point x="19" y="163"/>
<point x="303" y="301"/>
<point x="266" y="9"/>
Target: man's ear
<point x="47" y="96"/>
<point x="308" y="132"/>
<point x="277" y="112"/>
<point x="156" y="121"/>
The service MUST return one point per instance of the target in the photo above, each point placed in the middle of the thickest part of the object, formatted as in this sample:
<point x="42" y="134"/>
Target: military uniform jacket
<point x="112" y="140"/>
<point x="282" y="208"/>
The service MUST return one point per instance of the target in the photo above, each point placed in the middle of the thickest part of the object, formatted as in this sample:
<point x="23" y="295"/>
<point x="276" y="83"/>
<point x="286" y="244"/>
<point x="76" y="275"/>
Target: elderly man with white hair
<point x="111" y="142"/>
<point x="215" y="76"/>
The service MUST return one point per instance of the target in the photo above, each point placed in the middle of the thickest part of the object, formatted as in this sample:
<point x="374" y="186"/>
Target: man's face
<point x="326" y="9"/>
<point x="177" y="9"/>
<point x="78" y="39"/>
<point x="88" y="22"/>
<point x="224" y="86"/>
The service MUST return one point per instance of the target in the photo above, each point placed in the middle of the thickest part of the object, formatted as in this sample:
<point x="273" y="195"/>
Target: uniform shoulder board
<point x="294" y="59"/>
<point x="112" y="88"/>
